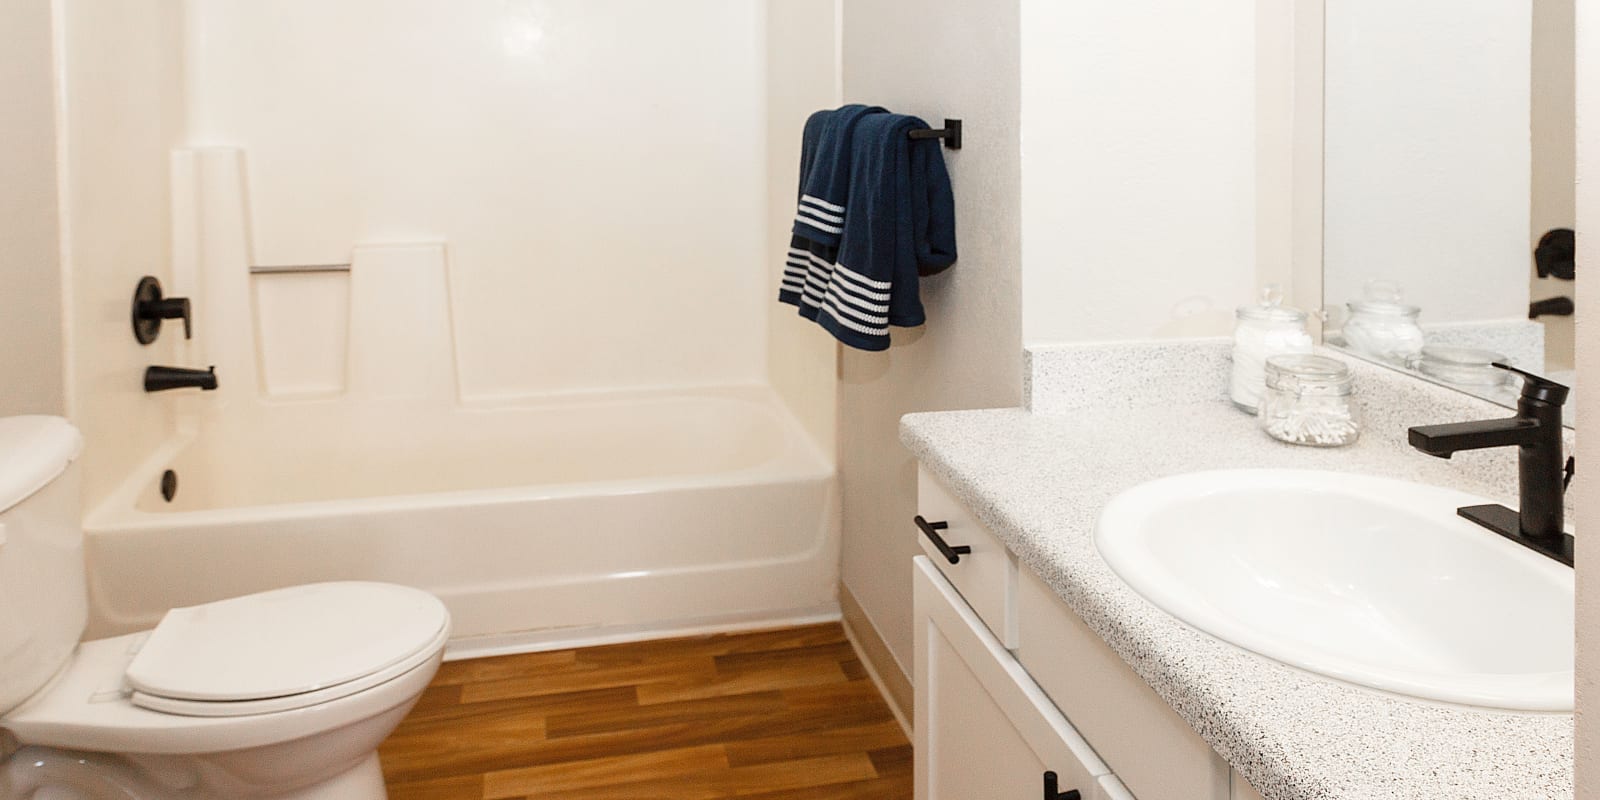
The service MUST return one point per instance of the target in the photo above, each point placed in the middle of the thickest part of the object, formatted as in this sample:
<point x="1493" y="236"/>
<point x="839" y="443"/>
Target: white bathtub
<point x="532" y="522"/>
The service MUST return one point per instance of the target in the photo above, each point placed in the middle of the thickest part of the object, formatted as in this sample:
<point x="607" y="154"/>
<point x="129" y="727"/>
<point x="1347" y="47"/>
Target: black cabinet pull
<point x="931" y="530"/>
<point x="1051" y="792"/>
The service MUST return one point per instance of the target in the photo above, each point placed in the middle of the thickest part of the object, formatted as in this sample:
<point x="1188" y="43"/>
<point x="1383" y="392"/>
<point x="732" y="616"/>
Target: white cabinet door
<point x="984" y="731"/>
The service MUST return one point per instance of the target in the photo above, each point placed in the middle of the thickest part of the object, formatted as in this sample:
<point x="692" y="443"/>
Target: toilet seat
<point x="88" y="704"/>
<point x="284" y="649"/>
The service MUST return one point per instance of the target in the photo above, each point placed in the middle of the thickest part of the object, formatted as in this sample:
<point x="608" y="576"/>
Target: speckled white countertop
<point x="1039" y="480"/>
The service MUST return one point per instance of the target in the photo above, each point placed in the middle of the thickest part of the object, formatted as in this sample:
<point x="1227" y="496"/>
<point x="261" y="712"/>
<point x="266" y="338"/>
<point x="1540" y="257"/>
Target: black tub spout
<point x="160" y="379"/>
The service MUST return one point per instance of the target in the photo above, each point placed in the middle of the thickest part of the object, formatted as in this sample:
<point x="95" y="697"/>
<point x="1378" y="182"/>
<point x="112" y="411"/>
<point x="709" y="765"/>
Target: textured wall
<point x="932" y="58"/>
<point x="32" y="359"/>
<point x="1139" y="192"/>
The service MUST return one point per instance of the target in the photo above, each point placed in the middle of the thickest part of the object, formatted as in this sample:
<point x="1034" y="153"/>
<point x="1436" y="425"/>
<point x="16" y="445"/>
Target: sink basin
<point x="1368" y="580"/>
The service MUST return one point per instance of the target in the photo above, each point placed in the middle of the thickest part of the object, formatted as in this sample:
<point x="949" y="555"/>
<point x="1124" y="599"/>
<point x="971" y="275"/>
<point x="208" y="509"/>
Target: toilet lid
<point x="299" y="641"/>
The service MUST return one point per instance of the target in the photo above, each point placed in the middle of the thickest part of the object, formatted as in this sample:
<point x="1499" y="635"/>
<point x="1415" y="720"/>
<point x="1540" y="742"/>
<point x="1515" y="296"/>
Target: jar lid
<point x="1463" y="365"/>
<point x="1270" y="308"/>
<point x="1461" y="356"/>
<point x="1383" y="298"/>
<point x="1300" y="372"/>
<point x="1384" y="308"/>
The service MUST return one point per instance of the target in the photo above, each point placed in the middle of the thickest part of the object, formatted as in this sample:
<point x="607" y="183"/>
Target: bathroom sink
<point x="1368" y="580"/>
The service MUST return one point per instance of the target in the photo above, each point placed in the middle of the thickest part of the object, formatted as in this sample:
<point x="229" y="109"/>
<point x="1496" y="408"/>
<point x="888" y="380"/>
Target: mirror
<point x="1448" y="163"/>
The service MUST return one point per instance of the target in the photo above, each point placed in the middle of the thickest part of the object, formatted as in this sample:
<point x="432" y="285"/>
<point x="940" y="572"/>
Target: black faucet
<point x="1542" y="474"/>
<point x="160" y="379"/>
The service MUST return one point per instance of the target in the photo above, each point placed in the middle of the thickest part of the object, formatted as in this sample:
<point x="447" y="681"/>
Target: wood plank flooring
<point x="771" y="715"/>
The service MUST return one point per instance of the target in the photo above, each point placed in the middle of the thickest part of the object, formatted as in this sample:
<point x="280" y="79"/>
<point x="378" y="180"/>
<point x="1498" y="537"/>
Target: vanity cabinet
<point x="1010" y="683"/>
<point x="984" y="729"/>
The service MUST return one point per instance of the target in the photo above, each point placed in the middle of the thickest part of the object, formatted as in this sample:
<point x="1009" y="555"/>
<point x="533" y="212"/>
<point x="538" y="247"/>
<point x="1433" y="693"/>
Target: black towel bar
<point x="950" y="133"/>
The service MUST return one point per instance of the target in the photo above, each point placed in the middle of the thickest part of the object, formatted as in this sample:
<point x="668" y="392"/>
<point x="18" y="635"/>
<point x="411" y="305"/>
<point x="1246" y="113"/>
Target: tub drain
<point x="169" y="485"/>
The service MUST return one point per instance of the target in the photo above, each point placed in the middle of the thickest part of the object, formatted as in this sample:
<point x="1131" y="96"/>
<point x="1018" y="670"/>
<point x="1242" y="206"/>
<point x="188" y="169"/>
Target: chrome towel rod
<point x="283" y="268"/>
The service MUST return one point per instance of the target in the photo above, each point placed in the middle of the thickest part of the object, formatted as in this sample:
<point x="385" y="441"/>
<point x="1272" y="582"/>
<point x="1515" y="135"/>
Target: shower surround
<point x="537" y="372"/>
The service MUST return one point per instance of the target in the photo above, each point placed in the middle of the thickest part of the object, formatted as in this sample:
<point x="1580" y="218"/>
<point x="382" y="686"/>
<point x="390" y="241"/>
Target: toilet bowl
<point x="280" y="695"/>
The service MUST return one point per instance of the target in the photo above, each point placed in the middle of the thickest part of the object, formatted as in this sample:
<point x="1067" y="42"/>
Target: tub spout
<point x="160" y="379"/>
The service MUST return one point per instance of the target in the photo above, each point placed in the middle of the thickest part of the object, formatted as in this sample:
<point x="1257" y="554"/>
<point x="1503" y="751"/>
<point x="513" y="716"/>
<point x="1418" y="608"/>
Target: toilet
<point x="281" y="695"/>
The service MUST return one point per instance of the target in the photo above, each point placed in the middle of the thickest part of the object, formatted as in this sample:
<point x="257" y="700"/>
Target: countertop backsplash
<point x="1074" y="378"/>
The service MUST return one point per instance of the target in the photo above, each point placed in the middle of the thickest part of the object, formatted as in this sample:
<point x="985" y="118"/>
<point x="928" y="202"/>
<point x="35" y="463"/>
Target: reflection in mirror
<point x="1448" y="187"/>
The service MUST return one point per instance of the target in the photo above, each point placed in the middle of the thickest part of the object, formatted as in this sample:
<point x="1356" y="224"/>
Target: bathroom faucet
<point x="1542" y="474"/>
<point x="160" y="379"/>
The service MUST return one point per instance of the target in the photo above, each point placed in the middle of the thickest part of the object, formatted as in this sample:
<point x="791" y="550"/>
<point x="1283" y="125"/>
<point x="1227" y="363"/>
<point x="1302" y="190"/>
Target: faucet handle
<point x="1538" y="387"/>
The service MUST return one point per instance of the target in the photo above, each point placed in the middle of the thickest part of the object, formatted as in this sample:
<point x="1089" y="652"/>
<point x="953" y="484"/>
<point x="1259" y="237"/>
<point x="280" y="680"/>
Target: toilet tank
<point x="43" y="597"/>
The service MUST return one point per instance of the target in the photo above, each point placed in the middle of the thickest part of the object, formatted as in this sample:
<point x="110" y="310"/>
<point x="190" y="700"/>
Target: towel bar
<point x="950" y="133"/>
<point x="275" y="269"/>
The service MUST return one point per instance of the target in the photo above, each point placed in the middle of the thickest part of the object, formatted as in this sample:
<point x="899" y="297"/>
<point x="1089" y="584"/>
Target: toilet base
<point x="363" y="782"/>
<point x="44" y="773"/>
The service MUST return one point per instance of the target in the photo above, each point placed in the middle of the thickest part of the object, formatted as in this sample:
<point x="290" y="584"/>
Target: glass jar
<point x="1469" y="369"/>
<point x="1463" y="366"/>
<point x="1308" y="400"/>
<point x="1383" y="327"/>
<point x="1261" y="331"/>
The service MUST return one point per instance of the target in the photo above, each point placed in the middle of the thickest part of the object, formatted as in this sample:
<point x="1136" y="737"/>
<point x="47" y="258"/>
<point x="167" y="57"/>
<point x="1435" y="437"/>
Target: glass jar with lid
<point x="1309" y="400"/>
<point x="1265" y="329"/>
<point x="1383" y="326"/>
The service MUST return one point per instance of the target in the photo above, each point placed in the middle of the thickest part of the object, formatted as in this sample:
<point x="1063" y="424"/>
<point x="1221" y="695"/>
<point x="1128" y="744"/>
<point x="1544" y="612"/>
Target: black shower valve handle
<point x="150" y="307"/>
<point x="176" y="308"/>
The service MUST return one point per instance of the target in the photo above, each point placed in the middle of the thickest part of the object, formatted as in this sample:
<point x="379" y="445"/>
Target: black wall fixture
<point x="150" y="308"/>
<point x="1556" y="254"/>
<point x="950" y="133"/>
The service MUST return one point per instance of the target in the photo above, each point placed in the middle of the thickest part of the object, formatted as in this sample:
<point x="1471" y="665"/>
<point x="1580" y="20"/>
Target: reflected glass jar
<point x="1383" y="327"/>
<point x="1471" y="370"/>
<point x="1309" y="400"/>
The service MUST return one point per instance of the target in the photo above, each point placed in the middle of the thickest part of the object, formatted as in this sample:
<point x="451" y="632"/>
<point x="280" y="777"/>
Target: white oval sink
<point x="1368" y="580"/>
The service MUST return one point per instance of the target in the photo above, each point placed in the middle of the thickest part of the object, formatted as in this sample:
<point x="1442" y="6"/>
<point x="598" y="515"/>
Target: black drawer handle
<point x="931" y="530"/>
<point x="1051" y="792"/>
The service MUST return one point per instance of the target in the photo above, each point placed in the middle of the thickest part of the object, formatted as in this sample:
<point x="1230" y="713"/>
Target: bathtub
<point x="534" y="522"/>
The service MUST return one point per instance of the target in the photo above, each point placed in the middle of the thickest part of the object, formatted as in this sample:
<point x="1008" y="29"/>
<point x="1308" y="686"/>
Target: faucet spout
<point x="1541" y="467"/>
<point x="160" y="379"/>
<point x="1443" y="441"/>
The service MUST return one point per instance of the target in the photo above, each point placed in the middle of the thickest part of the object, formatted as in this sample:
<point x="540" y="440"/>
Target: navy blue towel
<point x="825" y="186"/>
<point x="797" y="264"/>
<point x="899" y="223"/>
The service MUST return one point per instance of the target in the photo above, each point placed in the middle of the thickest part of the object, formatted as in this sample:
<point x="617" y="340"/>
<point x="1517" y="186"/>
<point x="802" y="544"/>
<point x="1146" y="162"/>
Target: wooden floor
<point x="774" y="714"/>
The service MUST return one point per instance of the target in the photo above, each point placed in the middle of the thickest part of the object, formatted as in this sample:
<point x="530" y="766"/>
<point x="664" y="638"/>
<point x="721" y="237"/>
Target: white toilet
<point x="284" y="694"/>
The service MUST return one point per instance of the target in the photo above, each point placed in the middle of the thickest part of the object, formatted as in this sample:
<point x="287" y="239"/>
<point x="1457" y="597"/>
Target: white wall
<point x="1553" y="154"/>
<point x="120" y="106"/>
<point x="31" y="363"/>
<point x="1139" y="187"/>
<point x="1588" y="517"/>
<point x="1427" y="152"/>
<point x="934" y="59"/>
<point x="802" y="77"/>
<point x="596" y="169"/>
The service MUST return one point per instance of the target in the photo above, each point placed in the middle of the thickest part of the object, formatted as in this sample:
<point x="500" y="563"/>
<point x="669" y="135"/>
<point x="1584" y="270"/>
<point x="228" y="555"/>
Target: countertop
<point x="1039" y="481"/>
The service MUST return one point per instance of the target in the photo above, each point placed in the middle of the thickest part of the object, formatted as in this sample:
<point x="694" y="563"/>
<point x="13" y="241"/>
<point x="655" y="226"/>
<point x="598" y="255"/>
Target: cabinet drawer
<point x="986" y="577"/>
<point x="1151" y="749"/>
<point x="984" y="730"/>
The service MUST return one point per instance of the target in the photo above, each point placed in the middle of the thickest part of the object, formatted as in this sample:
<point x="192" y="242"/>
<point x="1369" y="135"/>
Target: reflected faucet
<point x="1542" y="475"/>
<point x="160" y="379"/>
